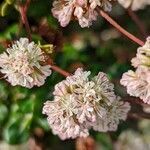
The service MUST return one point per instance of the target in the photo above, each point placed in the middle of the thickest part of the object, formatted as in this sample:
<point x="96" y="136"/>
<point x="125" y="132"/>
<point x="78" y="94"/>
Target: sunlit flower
<point x="22" y="64"/>
<point x="80" y="104"/>
<point x="134" y="4"/>
<point x="138" y="83"/>
<point x="143" y="55"/>
<point x="82" y="10"/>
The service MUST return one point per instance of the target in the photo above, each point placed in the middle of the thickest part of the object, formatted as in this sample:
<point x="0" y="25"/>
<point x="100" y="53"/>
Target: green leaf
<point x="17" y="129"/>
<point x="12" y="29"/>
<point x="52" y="22"/>
<point x="27" y="105"/>
<point x="26" y="122"/>
<point x="3" y="113"/>
<point x="4" y="8"/>
<point x="3" y="91"/>
<point x="70" y="52"/>
<point x="19" y="93"/>
<point x="13" y="135"/>
<point x="105" y="141"/>
<point x="42" y="122"/>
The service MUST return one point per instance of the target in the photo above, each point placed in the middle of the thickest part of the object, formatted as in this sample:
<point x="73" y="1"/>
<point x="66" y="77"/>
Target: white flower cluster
<point x="22" y="64"/>
<point x="138" y="82"/>
<point x="82" y="10"/>
<point x="81" y="104"/>
<point x="134" y="4"/>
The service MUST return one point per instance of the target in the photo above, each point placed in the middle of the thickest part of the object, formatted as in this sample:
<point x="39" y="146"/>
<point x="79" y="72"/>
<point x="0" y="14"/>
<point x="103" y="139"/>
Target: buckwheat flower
<point x="87" y="19"/>
<point x="130" y="139"/>
<point x="80" y="103"/>
<point x="61" y="118"/>
<point x="134" y="4"/>
<point x="82" y="10"/>
<point x="71" y="112"/>
<point x="22" y="64"/>
<point x="104" y="88"/>
<point x="143" y="55"/>
<point x="115" y="113"/>
<point x="138" y="83"/>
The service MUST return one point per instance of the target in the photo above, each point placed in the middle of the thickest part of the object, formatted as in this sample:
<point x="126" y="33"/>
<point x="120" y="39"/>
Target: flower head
<point x="82" y="10"/>
<point x="81" y="104"/>
<point x="130" y="139"/>
<point x="143" y="55"/>
<point x="116" y="112"/>
<point x="138" y="82"/>
<point x="134" y="4"/>
<point x="22" y="64"/>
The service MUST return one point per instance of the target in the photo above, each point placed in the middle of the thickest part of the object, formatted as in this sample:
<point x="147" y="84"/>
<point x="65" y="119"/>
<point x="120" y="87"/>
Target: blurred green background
<point x="98" y="48"/>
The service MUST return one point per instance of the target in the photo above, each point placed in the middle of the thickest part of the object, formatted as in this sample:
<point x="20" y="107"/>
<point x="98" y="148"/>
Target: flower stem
<point x="56" y="68"/>
<point x="135" y="101"/>
<point x="138" y="22"/>
<point x="61" y="71"/>
<point x="23" y="12"/>
<point x="120" y="29"/>
<point x="140" y="115"/>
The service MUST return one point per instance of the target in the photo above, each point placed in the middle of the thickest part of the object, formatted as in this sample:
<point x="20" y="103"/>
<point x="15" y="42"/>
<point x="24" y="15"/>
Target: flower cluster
<point x="134" y="4"/>
<point x="81" y="104"/>
<point x="82" y="10"/>
<point x="22" y="64"/>
<point x="138" y="82"/>
<point x="130" y="139"/>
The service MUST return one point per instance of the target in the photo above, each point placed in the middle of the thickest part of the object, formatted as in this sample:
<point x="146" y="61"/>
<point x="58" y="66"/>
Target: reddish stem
<point x="20" y="27"/>
<point x="120" y="29"/>
<point x="61" y="71"/>
<point x="138" y="22"/>
<point x="135" y="101"/>
<point x="56" y="68"/>
<point x="27" y="4"/>
<point x="23" y="12"/>
<point x="140" y="115"/>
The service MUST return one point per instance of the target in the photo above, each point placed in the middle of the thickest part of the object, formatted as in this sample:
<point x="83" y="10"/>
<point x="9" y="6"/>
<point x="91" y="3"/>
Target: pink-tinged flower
<point x="22" y="64"/>
<point x="87" y="19"/>
<point x="62" y="118"/>
<point x="134" y="4"/>
<point x="82" y="10"/>
<point x="138" y="83"/>
<point x="131" y="139"/>
<point x="104" y="88"/>
<point x="116" y="112"/>
<point x="143" y="55"/>
<point x="80" y="103"/>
